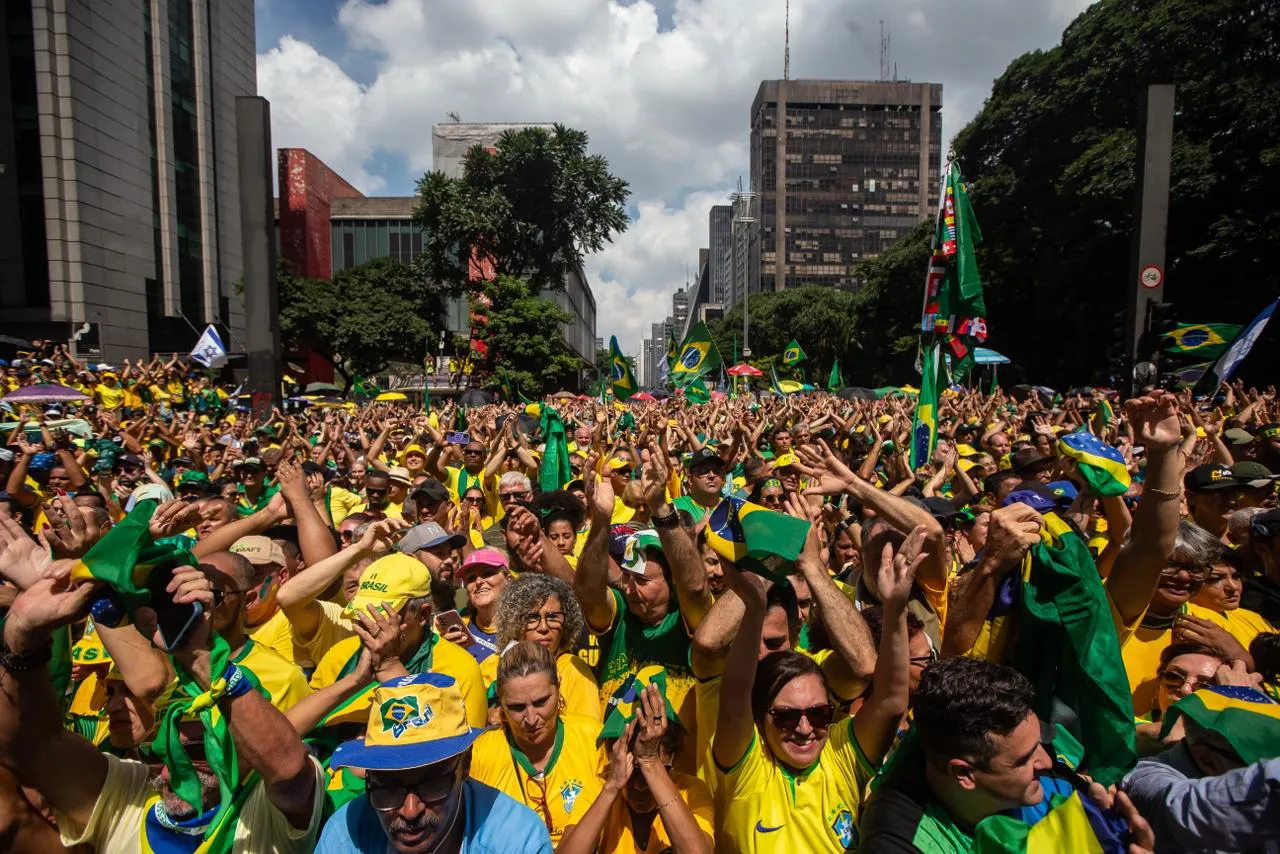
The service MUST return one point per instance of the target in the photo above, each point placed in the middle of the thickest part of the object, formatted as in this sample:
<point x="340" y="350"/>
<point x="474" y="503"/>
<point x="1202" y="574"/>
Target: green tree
<point x="524" y="336"/>
<point x="820" y="318"/>
<point x="887" y="312"/>
<point x="365" y="317"/>
<point x="534" y="207"/>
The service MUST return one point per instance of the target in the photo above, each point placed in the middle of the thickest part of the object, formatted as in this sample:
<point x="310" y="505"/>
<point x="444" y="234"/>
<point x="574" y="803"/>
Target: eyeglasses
<point x="473" y="452"/>
<point x="1174" y="679"/>
<point x="539" y="798"/>
<point x="474" y="499"/>
<point x="622" y="472"/>
<point x="925" y="660"/>
<point x="773" y="500"/>
<point x="1175" y="567"/>
<point x="431" y="790"/>
<point x="553" y="619"/>
<point x="819" y="717"/>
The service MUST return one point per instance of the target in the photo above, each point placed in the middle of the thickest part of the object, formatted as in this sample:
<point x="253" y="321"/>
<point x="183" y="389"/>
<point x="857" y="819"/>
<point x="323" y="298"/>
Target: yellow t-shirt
<point x="770" y="809"/>
<point x="618" y="839"/>
<point x="277" y="633"/>
<point x="621" y="512"/>
<point x="108" y="398"/>
<point x="116" y="824"/>
<point x="578" y="686"/>
<point x="571" y="779"/>
<point x="279" y="679"/>
<point x="446" y="658"/>
<point x="342" y="503"/>
<point x="1245" y="625"/>
<point x="1140" y="650"/>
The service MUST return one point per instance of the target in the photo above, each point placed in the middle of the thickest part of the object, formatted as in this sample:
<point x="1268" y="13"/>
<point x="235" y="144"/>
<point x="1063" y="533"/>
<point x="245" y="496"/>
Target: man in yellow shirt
<point x="402" y="584"/>
<point x="107" y="393"/>
<point x="263" y="619"/>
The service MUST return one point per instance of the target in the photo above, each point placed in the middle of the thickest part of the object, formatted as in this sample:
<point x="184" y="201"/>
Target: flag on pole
<point x="673" y="350"/>
<point x="793" y="355"/>
<point x="698" y="355"/>
<point x="620" y="374"/>
<point x="209" y="350"/>
<point x="954" y="310"/>
<point x="835" y="382"/>
<point x="1201" y="339"/>
<point x="1229" y="361"/>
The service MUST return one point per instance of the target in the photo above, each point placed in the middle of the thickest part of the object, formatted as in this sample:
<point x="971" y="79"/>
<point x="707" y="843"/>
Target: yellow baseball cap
<point x="414" y="721"/>
<point x="785" y="460"/>
<point x="394" y="579"/>
<point x="617" y="463"/>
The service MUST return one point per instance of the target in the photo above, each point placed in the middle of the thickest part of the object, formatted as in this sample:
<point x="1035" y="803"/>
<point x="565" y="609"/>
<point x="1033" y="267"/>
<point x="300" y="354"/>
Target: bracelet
<point x="674" y="798"/>
<point x="237" y="683"/>
<point x="23" y="662"/>
<point x="667" y="521"/>
<point x="1162" y="493"/>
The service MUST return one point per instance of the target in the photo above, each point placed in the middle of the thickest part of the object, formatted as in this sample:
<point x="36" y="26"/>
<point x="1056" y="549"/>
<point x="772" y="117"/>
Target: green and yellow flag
<point x="924" y="428"/>
<point x="793" y="355"/>
<point x="782" y="388"/>
<point x="835" y="381"/>
<point x="1202" y="339"/>
<point x="124" y="558"/>
<point x="696" y="392"/>
<point x="673" y="351"/>
<point x="620" y="373"/>
<point x="697" y="356"/>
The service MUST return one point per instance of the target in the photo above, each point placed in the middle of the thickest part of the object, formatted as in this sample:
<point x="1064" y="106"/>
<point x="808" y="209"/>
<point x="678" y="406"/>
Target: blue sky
<point x="663" y="87"/>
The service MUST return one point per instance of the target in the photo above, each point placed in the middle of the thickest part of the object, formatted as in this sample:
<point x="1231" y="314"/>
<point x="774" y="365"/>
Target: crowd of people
<point x="582" y="626"/>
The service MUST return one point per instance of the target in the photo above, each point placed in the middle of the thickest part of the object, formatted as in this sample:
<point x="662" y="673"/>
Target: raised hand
<point x="378" y="628"/>
<point x="1155" y="420"/>
<point x="897" y="569"/>
<point x="22" y="560"/>
<point x="653" y="478"/>
<point x="651" y="724"/>
<point x="70" y="534"/>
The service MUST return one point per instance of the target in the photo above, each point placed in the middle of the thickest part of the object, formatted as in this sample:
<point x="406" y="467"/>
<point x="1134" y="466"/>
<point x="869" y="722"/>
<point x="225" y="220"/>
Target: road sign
<point x="1151" y="276"/>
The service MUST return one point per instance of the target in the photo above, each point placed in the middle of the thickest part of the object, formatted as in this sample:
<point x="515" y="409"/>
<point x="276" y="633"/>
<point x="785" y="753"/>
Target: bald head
<point x="233" y="568"/>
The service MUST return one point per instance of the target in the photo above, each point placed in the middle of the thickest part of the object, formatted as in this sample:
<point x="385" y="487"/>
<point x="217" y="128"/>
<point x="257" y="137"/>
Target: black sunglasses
<point x="819" y="717"/>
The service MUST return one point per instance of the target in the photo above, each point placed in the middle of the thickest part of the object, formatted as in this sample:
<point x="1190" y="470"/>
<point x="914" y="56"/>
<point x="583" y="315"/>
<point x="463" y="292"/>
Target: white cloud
<point x="668" y="108"/>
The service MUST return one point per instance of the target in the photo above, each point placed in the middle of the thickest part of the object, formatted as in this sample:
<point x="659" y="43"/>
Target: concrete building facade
<point x="119" y="197"/>
<point x="842" y="169"/>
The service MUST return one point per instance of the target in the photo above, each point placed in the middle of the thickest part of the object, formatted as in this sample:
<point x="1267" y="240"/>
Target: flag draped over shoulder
<point x="755" y="538"/>
<point x="697" y="356"/>
<point x="1067" y="646"/>
<point x="954" y="313"/>
<point x="1201" y="339"/>
<point x="620" y="374"/>
<point x="1102" y="466"/>
<point x="794" y="354"/>
<point x="554" y="472"/>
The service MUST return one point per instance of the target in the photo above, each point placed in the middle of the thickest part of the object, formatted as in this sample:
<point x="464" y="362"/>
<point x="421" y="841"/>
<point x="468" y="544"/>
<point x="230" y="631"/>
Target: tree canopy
<point x="365" y="317"/>
<point x="820" y="318"/>
<point x="1051" y="160"/>
<point x="533" y="207"/>
<point x="522" y="335"/>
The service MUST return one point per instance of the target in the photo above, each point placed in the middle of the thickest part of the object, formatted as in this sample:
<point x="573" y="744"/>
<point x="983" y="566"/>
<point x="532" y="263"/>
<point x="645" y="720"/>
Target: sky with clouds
<point x="663" y="88"/>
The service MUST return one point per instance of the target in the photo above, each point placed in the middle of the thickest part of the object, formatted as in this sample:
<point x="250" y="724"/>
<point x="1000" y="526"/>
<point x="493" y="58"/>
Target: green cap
<point x="197" y="478"/>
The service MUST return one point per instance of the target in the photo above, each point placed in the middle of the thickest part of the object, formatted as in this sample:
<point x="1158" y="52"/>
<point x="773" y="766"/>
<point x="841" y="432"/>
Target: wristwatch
<point x="21" y="663"/>
<point x="667" y="517"/>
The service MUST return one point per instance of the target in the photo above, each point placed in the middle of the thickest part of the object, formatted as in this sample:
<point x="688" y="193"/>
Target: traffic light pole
<point x="1151" y="214"/>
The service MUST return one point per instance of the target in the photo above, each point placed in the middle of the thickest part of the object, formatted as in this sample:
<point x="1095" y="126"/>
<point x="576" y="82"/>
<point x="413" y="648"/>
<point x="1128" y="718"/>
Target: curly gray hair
<point x="527" y="593"/>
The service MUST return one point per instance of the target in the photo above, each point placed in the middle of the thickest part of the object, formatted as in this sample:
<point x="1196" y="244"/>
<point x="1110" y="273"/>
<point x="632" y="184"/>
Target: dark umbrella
<point x="45" y="393"/>
<point x="858" y="393"/>
<point x="323" y="388"/>
<point x="475" y="397"/>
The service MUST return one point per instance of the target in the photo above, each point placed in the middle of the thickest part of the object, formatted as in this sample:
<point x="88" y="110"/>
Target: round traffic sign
<point x="1151" y="276"/>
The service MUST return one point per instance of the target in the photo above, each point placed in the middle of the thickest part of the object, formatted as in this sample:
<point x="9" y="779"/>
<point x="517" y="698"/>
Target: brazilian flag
<point x="782" y="388"/>
<point x="1202" y="339"/>
<point x="1102" y="466"/>
<point x="793" y="355"/>
<point x="698" y="356"/>
<point x="624" y="381"/>
<point x="756" y="538"/>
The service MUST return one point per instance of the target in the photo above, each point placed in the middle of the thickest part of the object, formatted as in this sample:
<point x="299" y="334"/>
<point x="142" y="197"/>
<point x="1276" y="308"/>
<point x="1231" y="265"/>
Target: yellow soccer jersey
<point x="618" y="838"/>
<point x="279" y="679"/>
<point x="569" y="783"/>
<point x="770" y="809"/>
<point x="446" y="658"/>
<point x="578" y="686"/>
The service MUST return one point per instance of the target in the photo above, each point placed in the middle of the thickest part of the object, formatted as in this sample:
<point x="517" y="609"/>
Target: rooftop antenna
<point x="786" y="46"/>
<point x="884" y="52"/>
<point x="454" y="117"/>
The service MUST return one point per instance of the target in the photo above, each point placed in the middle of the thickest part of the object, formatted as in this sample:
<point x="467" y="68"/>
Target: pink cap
<point x="487" y="557"/>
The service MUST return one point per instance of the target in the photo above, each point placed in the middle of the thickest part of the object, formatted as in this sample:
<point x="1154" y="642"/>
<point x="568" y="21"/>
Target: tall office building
<point x="842" y="169"/>
<point x="119" y="194"/>
<point x="720" y="254"/>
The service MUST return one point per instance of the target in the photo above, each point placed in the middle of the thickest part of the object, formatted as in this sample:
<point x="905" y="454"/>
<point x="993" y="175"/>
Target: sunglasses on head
<point x="819" y="717"/>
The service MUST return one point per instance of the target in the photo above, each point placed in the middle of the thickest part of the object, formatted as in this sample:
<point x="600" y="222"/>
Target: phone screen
<point x="452" y="619"/>
<point x="173" y="620"/>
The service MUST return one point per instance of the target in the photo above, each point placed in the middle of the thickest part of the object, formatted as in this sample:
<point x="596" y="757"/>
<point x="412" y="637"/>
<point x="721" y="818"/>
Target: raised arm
<point x="591" y="581"/>
<point x="734" y="726"/>
<point x="677" y="544"/>
<point x="314" y="536"/>
<point x="1137" y="568"/>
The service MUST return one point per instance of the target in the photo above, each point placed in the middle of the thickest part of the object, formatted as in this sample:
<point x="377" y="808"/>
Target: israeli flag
<point x="209" y="350"/>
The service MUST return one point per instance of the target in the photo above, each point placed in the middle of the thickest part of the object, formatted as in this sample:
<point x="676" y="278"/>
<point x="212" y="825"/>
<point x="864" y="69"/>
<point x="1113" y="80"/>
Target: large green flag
<point x="1206" y="340"/>
<point x="554" y="472"/>
<point x="1068" y="647"/>
<point x="673" y="351"/>
<point x="698" y="355"/>
<point x="696" y="392"/>
<point x="624" y="380"/>
<point x="793" y="355"/>
<point x="835" y="382"/>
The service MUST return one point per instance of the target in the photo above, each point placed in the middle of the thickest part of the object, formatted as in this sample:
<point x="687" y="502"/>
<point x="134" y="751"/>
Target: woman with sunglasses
<point x="794" y="776"/>
<point x="1184" y="669"/>
<point x="471" y="515"/>
<point x="539" y="755"/>
<point x="769" y="493"/>
<point x="542" y="609"/>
